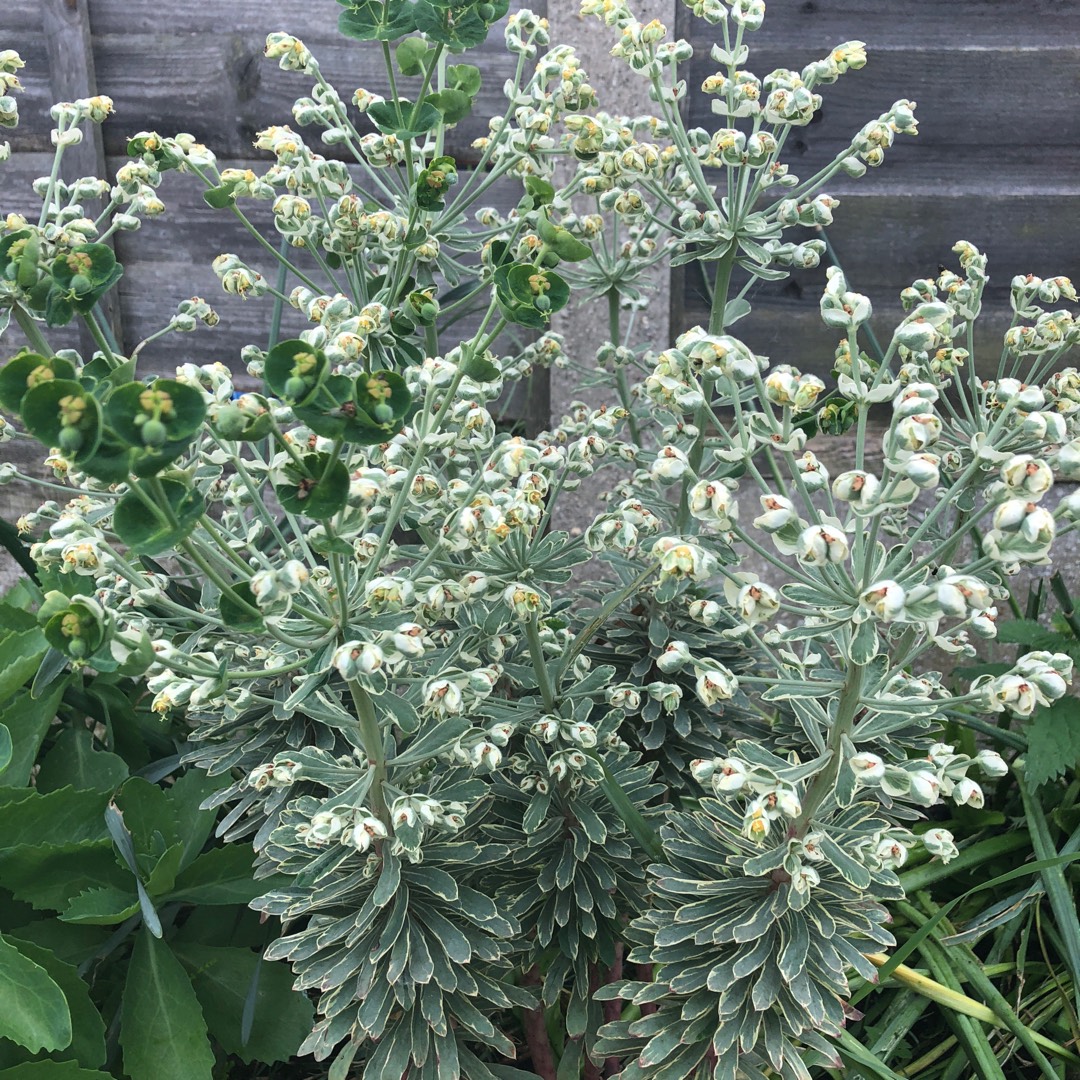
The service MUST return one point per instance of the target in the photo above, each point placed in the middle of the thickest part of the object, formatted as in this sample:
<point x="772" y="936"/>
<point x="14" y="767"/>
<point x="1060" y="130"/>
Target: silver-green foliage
<point x="350" y="585"/>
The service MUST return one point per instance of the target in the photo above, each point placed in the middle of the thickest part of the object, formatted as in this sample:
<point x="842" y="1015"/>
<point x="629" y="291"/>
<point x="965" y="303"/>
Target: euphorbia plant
<point x="353" y="589"/>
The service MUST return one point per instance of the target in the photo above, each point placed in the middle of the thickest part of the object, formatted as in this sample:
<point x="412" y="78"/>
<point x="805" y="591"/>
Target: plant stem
<point x="372" y="736"/>
<point x="822" y="785"/>
<point x="622" y="384"/>
<point x="536" y="652"/>
<point x="29" y="327"/>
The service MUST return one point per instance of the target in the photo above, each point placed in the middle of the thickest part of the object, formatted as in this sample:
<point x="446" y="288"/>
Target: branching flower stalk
<point x="484" y="780"/>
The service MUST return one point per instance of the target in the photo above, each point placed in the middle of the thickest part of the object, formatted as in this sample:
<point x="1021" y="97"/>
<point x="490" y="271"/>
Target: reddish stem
<point x="645" y="974"/>
<point x="613" y="1009"/>
<point x="536" y="1035"/>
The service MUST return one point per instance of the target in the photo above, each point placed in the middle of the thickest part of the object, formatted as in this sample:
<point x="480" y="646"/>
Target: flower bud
<point x="1027" y="476"/>
<point x="939" y="842"/>
<point x="868" y="768"/>
<point x="820" y="545"/>
<point x="715" y="684"/>
<point x="674" y="657"/>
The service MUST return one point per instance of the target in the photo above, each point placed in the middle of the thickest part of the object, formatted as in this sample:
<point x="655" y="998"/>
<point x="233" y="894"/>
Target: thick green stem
<point x="536" y="652"/>
<point x="821" y="786"/>
<point x="622" y="383"/>
<point x="372" y="737"/>
<point x="33" y="334"/>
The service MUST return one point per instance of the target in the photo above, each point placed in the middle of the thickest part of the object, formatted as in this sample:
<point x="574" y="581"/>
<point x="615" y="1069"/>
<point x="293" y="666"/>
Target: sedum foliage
<point x="476" y="790"/>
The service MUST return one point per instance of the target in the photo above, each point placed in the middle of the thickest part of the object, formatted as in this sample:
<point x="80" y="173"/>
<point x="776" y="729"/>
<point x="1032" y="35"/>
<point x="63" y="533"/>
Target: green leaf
<point x="454" y="105"/>
<point x="5" y="748"/>
<point x="87" y="1045"/>
<point x="1053" y="736"/>
<point x="74" y="761"/>
<point x="162" y="1029"/>
<point x="185" y="795"/>
<point x="178" y="407"/>
<point x="106" y="906"/>
<point x="52" y="1070"/>
<point x="67" y="942"/>
<point x="162" y="877"/>
<point x="320" y="491"/>
<point x="373" y="20"/>
<point x="62" y="413"/>
<point x="150" y="533"/>
<point x="221" y="196"/>
<point x="49" y="876"/>
<point x="464" y="77"/>
<point x="221" y="875"/>
<point x="22" y="651"/>
<point x="1028" y="632"/>
<point x="58" y="817"/>
<point x="25" y="371"/>
<point x="150" y="819"/>
<point x="410" y="123"/>
<point x="294" y="372"/>
<point x="222" y="979"/>
<point x="410" y="55"/>
<point x="237" y="608"/>
<point x="33" y="1010"/>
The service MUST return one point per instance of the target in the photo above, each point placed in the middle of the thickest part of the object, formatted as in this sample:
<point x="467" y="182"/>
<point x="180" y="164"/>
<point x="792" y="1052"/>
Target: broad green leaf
<point x="186" y="795"/>
<point x="20" y="656"/>
<point x="150" y="533"/>
<point x="162" y="1029"/>
<point x="413" y="122"/>
<point x="150" y="818"/>
<point x="52" y="1070"/>
<point x="5" y="747"/>
<point x="410" y="55"/>
<point x="67" y="942"/>
<point x="319" y="494"/>
<point x="87" y="1045"/>
<point x="62" y="413"/>
<point x="222" y="979"/>
<point x="221" y="875"/>
<point x="454" y="105"/>
<point x="58" y="817"/>
<point x="480" y="369"/>
<point x="163" y="876"/>
<point x="106" y="906"/>
<point x="1053" y="736"/>
<point x="33" y="1010"/>
<point x="24" y="371"/>
<point x="73" y="761"/>
<point x="49" y="876"/>
<point x="464" y="77"/>
<point x="238" y="609"/>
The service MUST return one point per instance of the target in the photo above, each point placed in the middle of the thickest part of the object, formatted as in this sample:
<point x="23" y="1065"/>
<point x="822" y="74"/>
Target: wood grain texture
<point x="202" y="70"/>
<point x="66" y="26"/>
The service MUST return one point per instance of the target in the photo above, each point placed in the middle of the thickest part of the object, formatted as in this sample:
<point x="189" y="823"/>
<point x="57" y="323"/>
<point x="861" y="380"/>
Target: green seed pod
<point x="81" y="284"/>
<point x="542" y="303"/>
<point x="295" y="388"/>
<point x="154" y="433"/>
<point x="486" y="12"/>
<point x="383" y="413"/>
<point x="229" y="422"/>
<point x="70" y="440"/>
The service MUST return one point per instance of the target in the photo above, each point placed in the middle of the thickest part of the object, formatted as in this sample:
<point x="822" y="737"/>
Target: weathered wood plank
<point x="823" y="23"/>
<point x="206" y="73"/>
<point x="977" y="97"/>
<point x="71" y="75"/>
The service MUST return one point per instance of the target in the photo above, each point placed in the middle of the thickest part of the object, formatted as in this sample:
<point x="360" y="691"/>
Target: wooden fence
<point x="996" y="161"/>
